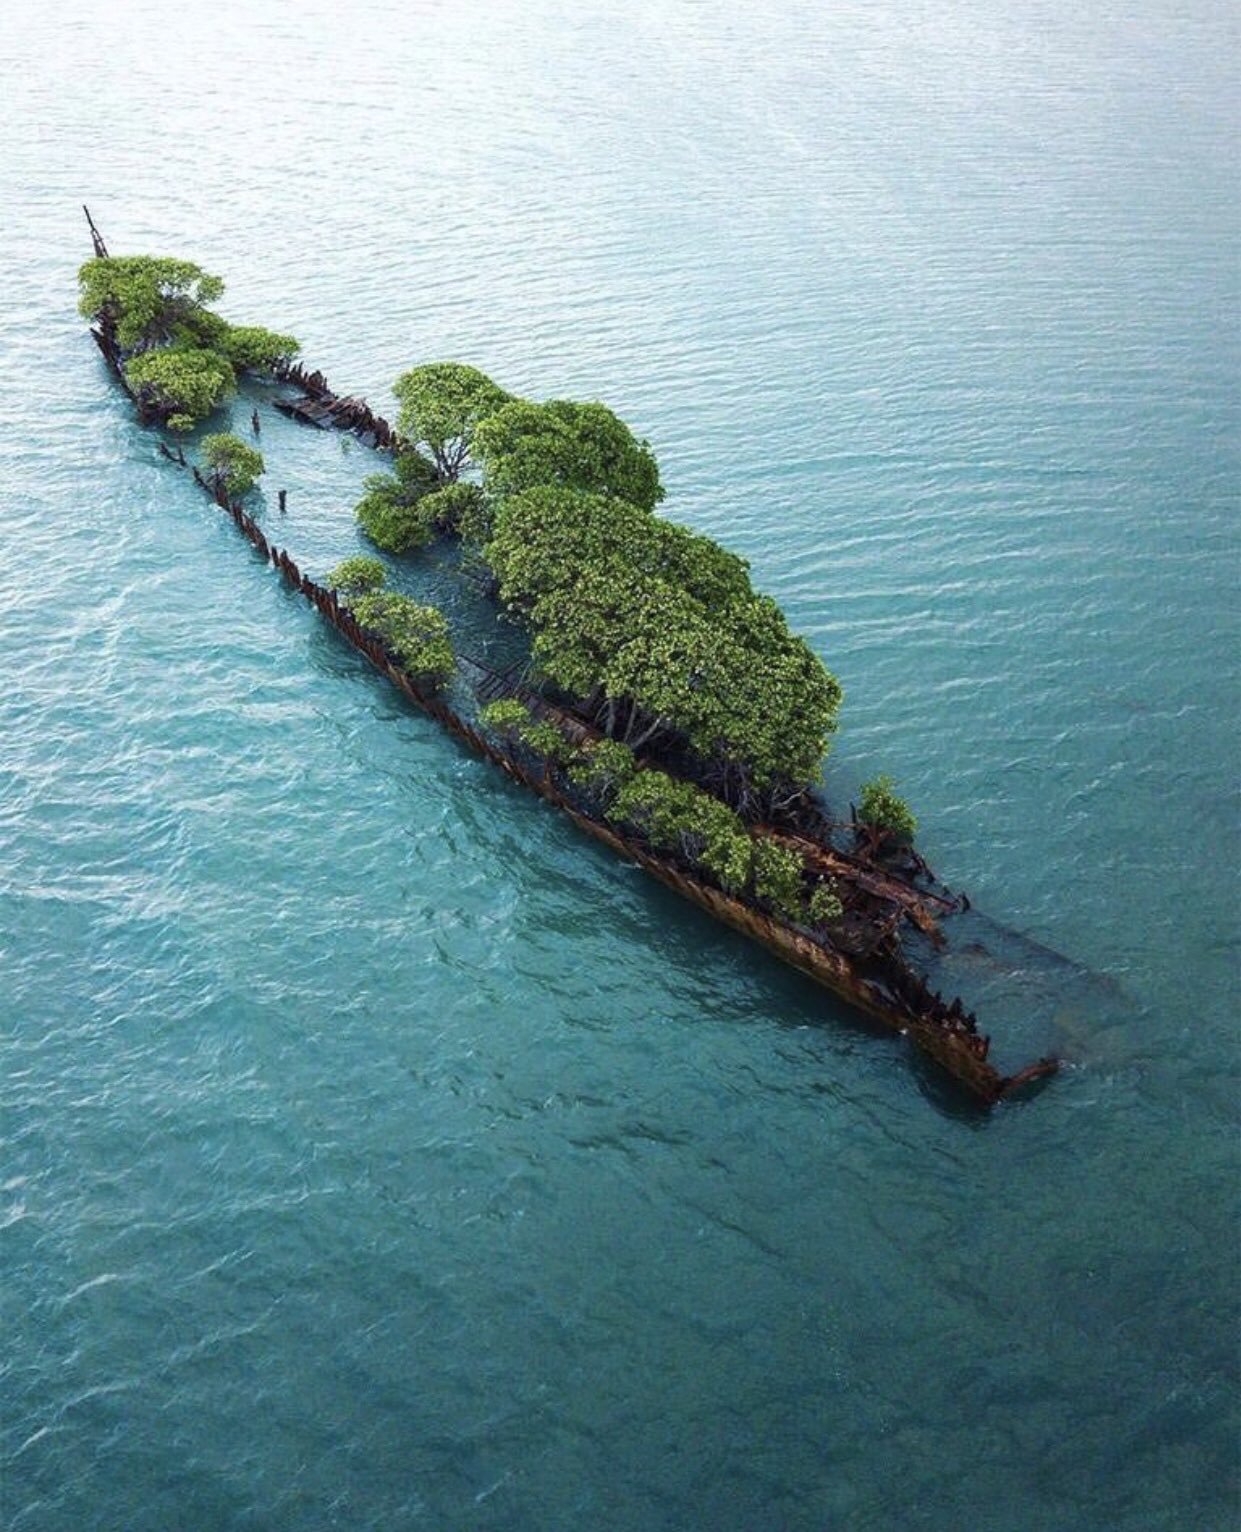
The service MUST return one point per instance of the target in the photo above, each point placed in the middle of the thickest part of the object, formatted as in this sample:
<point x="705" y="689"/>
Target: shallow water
<point x="377" y="1152"/>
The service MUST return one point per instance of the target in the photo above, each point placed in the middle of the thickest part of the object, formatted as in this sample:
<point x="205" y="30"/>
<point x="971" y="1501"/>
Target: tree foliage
<point x="146" y="297"/>
<point x="441" y="405"/>
<point x="883" y="811"/>
<point x="779" y="873"/>
<point x="392" y="519"/>
<point x="415" y="473"/>
<point x="394" y="512"/>
<point x="676" y="816"/>
<point x="417" y="635"/>
<point x="511" y="717"/>
<point x="571" y="445"/>
<point x="505" y="715"/>
<point x="662" y="629"/>
<point x="233" y="465"/>
<point x="461" y="509"/>
<point x="250" y="348"/>
<point x="184" y="383"/>
<point x="183" y="357"/>
<point x="603" y="766"/>
<point x="824" y="905"/>
<point x="546" y="740"/>
<point x="356" y="576"/>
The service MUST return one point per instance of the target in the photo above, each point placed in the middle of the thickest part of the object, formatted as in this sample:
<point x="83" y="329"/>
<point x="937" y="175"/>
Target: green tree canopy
<point x="779" y="874"/>
<point x="825" y="905"/>
<point x="575" y="446"/>
<point x="603" y="767"/>
<point x="547" y="535"/>
<point x="662" y="631"/>
<point x="506" y="715"/>
<point x="185" y="383"/>
<point x="250" y="348"/>
<point x="185" y="358"/>
<point x="511" y="718"/>
<point x="391" y="512"/>
<point x="441" y="405"/>
<point x="393" y="519"/>
<point x="883" y="811"/>
<point x="356" y="576"/>
<point x="676" y="816"/>
<point x="147" y="297"/>
<point x="233" y="465"/>
<point x="461" y="509"/>
<point x="417" y="635"/>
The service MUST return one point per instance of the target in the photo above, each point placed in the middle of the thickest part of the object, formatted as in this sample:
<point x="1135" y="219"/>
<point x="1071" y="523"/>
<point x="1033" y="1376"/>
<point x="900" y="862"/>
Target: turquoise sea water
<point x="378" y="1153"/>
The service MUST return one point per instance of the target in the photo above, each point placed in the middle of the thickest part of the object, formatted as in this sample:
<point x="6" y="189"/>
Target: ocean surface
<point x="378" y="1153"/>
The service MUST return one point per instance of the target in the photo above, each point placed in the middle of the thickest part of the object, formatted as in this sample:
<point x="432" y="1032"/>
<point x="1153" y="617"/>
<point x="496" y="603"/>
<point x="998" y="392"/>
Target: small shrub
<point x="779" y="872"/>
<point x="603" y="766"/>
<point x="729" y="855"/>
<point x="232" y="465"/>
<point x="460" y="509"/>
<point x="513" y="719"/>
<point x="415" y="473"/>
<point x="545" y="739"/>
<point x="417" y="635"/>
<point x="882" y="810"/>
<point x="506" y="715"/>
<point x="677" y="816"/>
<point x="186" y="382"/>
<point x="356" y="576"/>
<point x="824" y="906"/>
<point x="394" y="512"/>
<point x="250" y="348"/>
<point x="393" y="524"/>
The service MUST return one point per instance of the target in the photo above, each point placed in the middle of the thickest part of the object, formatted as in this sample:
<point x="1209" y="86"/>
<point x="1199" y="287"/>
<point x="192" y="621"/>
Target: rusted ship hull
<point x="962" y="1054"/>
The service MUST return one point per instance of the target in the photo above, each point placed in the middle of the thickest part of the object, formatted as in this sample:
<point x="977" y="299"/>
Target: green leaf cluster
<point x="394" y="512"/>
<point x="356" y="576"/>
<point x="146" y="297"/>
<point x="665" y="627"/>
<point x="250" y="348"/>
<point x="442" y="404"/>
<point x="674" y="815"/>
<point x="460" y="509"/>
<point x="505" y="715"/>
<point x="779" y="874"/>
<point x="158" y="308"/>
<point x="417" y="635"/>
<point x="569" y="444"/>
<point x="184" y="382"/>
<point x="513" y="719"/>
<point x="232" y="464"/>
<point x="824" y="905"/>
<point x="603" y="766"/>
<point x="392" y="518"/>
<point x="883" y="810"/>
<point x="543" y="737"/>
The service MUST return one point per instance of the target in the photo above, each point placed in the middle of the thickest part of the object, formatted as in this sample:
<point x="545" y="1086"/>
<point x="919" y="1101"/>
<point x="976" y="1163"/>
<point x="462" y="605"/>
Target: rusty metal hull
<point x="959" y="1055"/>
<point x="962" y="1055"/>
